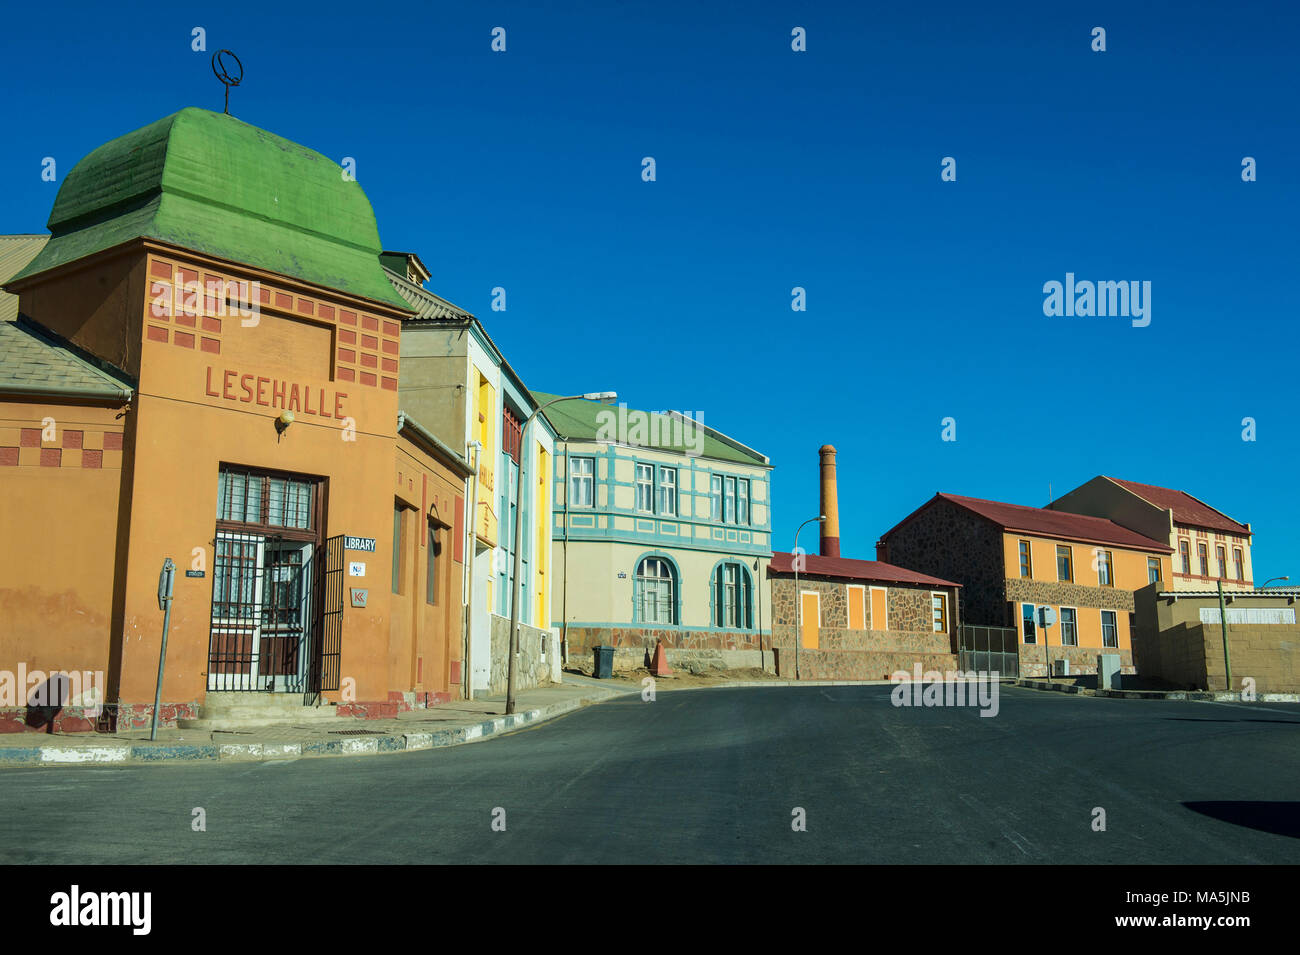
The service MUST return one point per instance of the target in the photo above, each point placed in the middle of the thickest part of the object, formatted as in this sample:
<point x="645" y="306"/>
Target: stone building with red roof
<point x="1209" y="546"/>
<point x="1011" y="559"/>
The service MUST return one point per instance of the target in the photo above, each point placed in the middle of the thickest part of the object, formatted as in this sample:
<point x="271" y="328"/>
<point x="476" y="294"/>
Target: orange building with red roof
<point x="1209" y="546"/>
<point x="1011" y="559"/>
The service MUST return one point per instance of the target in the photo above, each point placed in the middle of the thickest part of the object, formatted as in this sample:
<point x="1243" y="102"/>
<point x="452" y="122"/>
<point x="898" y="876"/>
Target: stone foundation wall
<point x="856" y="665"/>
<point x="537" y="649"/>
<point x="1082" y="659"/>
<point x="580" y="640"/>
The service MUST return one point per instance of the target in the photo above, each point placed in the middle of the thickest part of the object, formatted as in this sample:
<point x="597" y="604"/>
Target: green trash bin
<point x="602" y="663"/>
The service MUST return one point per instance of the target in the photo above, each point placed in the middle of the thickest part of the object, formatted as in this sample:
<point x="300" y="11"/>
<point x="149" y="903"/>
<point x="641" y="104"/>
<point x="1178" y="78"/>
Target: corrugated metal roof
<point x="851" y="569"/>
<point x="1038" y="520"/>
<point x="428" y="307"/>
<point x="15" y="252"/>
<point x="210" y="182"/>
<point x="583" y="421"/>
<point x="32" y="363"/>
<point x="1187" y="509"/>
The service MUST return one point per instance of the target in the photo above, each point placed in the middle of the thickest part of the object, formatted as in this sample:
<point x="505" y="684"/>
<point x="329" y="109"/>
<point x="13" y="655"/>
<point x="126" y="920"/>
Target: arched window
<point x="733" y="604"/>
<point x="654" y="591"/>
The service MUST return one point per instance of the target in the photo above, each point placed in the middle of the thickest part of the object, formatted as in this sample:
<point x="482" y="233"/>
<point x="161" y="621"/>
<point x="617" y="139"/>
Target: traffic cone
<point x="659" y="667"/>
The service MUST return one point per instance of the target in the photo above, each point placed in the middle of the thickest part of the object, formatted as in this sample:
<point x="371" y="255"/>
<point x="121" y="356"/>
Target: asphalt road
<point x="715" y="776"/>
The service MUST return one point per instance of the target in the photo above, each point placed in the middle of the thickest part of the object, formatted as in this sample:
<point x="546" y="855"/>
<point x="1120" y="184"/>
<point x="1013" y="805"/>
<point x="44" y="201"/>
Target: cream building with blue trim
<point x="661" y="529"/>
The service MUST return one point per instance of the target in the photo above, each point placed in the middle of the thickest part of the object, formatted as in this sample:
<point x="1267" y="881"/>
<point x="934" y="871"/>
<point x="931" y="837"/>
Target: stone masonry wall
<point x="1060" y="593"/>
<point x="947" y="541"/>
<point x="533" y="666"/>
<point x="580" y="640"/>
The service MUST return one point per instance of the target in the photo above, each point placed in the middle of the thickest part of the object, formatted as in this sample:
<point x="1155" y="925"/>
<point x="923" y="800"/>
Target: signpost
<point x="1046" y="617"/>
<point x="166" y="584"/>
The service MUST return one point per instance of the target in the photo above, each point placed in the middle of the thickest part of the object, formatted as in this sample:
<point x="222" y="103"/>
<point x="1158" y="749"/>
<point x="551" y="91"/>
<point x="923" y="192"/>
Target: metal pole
<point x="798" y="597"/>
<point x="165" y="598"/>
<point x="1223" y="622"/>
<point x="798" y="604"/>
<point x="519" y="516"/>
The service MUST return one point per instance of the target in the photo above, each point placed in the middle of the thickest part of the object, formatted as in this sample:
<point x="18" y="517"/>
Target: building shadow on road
<point x="1279" y="818"/>
<point x="1244" y="719"/>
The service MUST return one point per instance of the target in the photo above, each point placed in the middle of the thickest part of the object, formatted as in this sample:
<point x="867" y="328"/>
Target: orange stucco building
<point x="203" y="365"/>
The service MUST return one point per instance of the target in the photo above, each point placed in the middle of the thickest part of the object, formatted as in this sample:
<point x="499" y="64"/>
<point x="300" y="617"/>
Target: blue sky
<point x="778" y="169"/>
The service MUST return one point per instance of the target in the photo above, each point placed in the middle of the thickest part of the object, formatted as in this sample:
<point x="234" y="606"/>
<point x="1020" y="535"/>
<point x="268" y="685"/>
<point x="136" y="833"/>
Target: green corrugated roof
<point x="579" y="421"/>
<point x="32" y="363"/>
<point x="15" y="252"/>
<point x="212" y="183"/>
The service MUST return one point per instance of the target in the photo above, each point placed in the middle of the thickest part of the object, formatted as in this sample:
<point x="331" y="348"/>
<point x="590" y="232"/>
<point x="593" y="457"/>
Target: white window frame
<point x="1061" y="622"/>
<point x="668" y="492"/>
<point x="947" y="621"/>
<point x="728" y="499"/>
<point x="742" y="501"/>
<point x="1115" y="617"/>
<point x="646" y="506"/>
<point x="1033" y="619"/>
<point x="715" y="497"/>
<point x="579" y="479"/>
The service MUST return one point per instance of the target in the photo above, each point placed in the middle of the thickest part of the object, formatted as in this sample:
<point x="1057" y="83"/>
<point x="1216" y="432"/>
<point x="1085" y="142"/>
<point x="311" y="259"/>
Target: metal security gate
<point x="263" y="613"/>
<point x="325" y="663"/>
<point x="269" y="582"/>
<point x="989" y="649"/>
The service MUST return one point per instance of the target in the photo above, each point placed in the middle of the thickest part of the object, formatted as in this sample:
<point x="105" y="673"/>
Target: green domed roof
<point x="209" y="182"/>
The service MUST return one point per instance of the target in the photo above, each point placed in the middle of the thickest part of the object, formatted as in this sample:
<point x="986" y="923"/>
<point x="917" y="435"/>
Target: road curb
<point x="135" y="753"/>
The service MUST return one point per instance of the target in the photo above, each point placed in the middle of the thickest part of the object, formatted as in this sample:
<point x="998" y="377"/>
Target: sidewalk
<point x="451" y="724"/>
<point x="1216" y="696"/>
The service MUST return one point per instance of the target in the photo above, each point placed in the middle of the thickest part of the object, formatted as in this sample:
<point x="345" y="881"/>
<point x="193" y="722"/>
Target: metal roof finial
<point x="223" y="73"/>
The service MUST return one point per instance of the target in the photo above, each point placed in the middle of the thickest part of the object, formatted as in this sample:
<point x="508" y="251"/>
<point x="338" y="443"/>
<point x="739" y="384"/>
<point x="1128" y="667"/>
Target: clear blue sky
<point x="779" y="169"/>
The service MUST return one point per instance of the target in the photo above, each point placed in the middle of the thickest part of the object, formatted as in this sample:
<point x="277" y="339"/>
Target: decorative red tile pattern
<point x="208" y="312"/>
<point x="51" y="457"/>
<point x="30" y="438"/>
<point x="72" y="439"/>
<point x="9" y="457"/>
<point x="112" y="441"/>
<point x="92" y="459"/>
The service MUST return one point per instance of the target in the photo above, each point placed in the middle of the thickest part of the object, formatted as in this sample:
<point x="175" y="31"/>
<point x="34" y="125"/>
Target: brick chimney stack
<point x="830" y="542"/>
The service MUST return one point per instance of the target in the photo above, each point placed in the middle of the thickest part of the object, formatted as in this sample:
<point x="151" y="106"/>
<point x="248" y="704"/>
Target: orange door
<point x="879" y="608"/>
<point x="811" y="623"/>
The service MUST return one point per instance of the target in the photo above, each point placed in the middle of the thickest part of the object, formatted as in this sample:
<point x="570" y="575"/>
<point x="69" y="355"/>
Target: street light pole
<point x="798" y="597"/>
<point x="519" y="523"/>
<point x="1270" y="580"/>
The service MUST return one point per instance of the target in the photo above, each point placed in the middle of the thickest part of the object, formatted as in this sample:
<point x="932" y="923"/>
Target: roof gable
<point x="1186" y="509"/>
<point x="1048" y="523"/>
<point x="850" y="569"/>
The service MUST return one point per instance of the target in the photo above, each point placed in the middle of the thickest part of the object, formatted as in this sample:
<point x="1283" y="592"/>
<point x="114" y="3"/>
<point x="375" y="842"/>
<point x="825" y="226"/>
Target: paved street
<point x="713" y="776"/>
